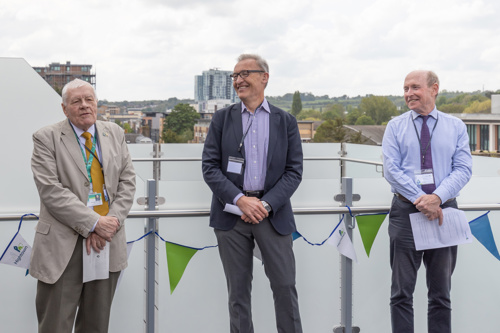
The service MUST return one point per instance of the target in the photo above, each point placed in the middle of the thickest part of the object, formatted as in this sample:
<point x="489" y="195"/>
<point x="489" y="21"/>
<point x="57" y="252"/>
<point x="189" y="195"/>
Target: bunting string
<point x="323" y="242"/>
<point x="18" y="250"/>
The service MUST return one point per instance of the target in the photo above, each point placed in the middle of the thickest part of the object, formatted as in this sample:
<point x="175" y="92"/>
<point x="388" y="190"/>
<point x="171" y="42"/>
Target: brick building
<point x="57" y="74"/>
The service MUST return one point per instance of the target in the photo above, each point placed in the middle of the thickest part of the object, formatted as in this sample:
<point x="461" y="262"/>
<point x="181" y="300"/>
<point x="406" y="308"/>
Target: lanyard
<point x="250" y="119"/>
<point x="88" y="163"/>
<point x="420" y="140"/>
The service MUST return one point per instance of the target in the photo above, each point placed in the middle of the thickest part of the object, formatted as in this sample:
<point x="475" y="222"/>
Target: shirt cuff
<point x="93" y="228"/>
<point x="236" y="198"/>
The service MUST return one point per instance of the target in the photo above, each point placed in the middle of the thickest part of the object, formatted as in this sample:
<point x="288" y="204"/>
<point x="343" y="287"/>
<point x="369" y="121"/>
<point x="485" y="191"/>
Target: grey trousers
<point x="236" y="252"/>
<point x="57" y="304"/>
<point x="405" y="262"/>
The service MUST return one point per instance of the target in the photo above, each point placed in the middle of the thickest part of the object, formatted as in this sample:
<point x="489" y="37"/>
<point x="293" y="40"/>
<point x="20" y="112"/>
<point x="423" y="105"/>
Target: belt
<point x="400" y="197"/>
<point x="257" y="194"/>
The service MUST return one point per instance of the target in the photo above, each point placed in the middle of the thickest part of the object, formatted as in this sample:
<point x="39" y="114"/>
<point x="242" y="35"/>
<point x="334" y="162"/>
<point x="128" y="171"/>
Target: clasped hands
<point x="429" y="205"/>
<point x="252" y="208"/>
<point x="105" y="229"/>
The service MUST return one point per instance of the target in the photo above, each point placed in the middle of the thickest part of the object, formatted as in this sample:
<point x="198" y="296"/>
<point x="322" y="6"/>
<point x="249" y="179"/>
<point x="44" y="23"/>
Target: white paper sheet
<point x="233" y="209"/>
<point x="95" y="265"/>
<point x="429" y="235"/>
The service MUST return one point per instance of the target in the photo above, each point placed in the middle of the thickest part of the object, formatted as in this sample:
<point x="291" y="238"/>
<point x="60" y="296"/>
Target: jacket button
<point x="87" y="184"/>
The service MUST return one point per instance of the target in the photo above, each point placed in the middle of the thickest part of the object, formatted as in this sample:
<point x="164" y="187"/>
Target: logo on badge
<point x="18" y="248"/>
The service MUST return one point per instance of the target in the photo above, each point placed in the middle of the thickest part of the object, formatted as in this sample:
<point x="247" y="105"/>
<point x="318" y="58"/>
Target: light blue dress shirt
<point x="452" y="161"/>
<point x="256" y="143"/>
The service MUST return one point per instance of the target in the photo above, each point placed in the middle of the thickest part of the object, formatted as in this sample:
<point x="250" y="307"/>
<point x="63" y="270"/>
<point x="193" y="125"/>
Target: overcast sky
<point x="152" y="49"/>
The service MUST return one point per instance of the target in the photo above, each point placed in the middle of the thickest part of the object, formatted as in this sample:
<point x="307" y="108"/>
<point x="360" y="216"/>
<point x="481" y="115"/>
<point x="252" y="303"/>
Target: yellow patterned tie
<point x="97" y="176"/>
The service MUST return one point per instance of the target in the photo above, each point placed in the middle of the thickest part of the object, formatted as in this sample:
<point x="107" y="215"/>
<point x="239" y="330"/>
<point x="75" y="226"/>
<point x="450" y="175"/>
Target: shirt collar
<point x="79" y="131"/>
<point x="433" y="114"/>
<point x="264" y="106"/>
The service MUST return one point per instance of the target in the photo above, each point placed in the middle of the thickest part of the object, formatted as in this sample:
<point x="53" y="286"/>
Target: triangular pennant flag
<point x="369" y="226"/>
<point x="178" y="257"/>
<point x="481" y="229"/>
<point x="17" y="253"/>
<point x="341" y="240"/>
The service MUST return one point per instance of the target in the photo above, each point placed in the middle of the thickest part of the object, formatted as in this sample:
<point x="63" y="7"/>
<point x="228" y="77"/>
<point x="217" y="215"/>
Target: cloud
<point x="152" y="49"/>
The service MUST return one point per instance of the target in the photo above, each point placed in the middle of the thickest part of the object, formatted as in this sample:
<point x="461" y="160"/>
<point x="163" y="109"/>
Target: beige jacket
<point x="63" y="185"/>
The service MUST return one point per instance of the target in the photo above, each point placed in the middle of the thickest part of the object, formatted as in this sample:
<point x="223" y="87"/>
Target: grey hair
<point x="76" y="83"/>
<point x="432" y="78"/>
<point x="258" y="59"/>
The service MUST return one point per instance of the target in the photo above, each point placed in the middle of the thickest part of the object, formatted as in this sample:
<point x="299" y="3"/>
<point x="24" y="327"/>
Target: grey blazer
<point x="63" y="185"/>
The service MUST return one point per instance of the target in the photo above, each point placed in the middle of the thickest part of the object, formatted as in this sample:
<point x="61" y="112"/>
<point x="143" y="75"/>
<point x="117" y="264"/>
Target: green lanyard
<point x="88" y="164"/>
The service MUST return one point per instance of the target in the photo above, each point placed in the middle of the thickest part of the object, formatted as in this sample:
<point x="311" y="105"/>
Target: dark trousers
<point x="57" y="304"/>
<point x="405" y="262"/>
<point x="236" y="252"/>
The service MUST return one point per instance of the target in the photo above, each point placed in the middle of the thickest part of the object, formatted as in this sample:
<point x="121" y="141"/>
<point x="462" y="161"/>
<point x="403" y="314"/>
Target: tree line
<point x="334" y="113"/>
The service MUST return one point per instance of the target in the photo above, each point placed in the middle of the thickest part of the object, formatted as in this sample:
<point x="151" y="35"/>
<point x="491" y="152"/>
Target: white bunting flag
<point x="341" y="240"/>
<point x="18" y="253"/>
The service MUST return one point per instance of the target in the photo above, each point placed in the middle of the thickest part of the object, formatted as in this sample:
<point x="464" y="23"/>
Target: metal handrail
<point x="297" y="211"/>
<point x="197" y="159"/>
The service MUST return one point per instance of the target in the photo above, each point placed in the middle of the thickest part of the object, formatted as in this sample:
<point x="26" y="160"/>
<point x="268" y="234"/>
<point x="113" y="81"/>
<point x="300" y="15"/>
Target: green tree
<point x="296" y="104"/>
<point x="365" y="120"/>
<point x="379" y="108"/>
<point x="178" y="123"/>
<point x="333" y="111"/>
<point x="127" y="128"/>
<point x="309" y="115"/>
<point x="452" y="108"/>
<point x="441" y="100"/>
<point x="331" y="131"/>
<point x="479" y="107"/>
<point x="357" y="137"/>
<point x="353" y="116"/>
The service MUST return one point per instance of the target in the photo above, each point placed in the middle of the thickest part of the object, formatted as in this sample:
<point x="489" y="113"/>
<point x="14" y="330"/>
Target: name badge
<point x="424" y="177"/>
<point x="235" y="165"/>
<point x="95" y="199"/>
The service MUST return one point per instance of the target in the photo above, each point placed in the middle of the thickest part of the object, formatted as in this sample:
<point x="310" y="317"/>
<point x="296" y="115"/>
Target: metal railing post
<point x="151" y="250"/>
<point x="346" y="267"/>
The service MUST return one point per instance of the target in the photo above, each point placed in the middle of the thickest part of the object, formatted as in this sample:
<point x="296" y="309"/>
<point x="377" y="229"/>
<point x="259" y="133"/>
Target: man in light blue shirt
<point x="427" y="162"/>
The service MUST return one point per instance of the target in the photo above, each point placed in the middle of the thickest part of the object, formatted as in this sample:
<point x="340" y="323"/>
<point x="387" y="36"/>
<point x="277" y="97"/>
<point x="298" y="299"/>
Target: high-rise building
<point x="57" y="74"/>
<point x="214" y="84"/>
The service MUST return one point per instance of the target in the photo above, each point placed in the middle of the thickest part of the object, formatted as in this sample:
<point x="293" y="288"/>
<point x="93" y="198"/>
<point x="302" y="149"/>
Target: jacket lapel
<point x="69" y="140"/>
<point x="274" y="123"/>
<point x="103" y="136"/>
<point x="235" y="115"/>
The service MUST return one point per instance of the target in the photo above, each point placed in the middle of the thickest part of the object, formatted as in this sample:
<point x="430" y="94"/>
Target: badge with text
<point x="235" y="165"/>
<point x="424" y="177"/>
<point x="95" y="199"/>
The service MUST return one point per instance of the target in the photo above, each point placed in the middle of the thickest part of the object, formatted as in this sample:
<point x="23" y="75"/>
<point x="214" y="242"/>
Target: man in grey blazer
<point x="68" y="216"/>
<point x="252" y="158"/>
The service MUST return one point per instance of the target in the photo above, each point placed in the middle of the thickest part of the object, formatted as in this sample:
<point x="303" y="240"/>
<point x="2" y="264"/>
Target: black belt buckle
<point x="256" y="194"/>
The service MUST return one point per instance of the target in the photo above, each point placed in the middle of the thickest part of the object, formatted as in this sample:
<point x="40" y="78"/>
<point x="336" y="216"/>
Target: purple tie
<point x="426" y="155"/>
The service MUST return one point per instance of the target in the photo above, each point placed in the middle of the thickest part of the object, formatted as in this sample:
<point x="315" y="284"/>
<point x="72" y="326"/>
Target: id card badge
<point x="424" y="177"/>
<point x="235" y="165"/>
<point x="95" y="199"/>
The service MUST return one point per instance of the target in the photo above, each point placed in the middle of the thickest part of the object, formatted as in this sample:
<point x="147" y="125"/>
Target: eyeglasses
<point x="244" y="74"/>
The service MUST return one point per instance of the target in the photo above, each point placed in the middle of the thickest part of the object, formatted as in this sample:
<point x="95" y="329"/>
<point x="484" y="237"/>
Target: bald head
<point x="420" y="91"/>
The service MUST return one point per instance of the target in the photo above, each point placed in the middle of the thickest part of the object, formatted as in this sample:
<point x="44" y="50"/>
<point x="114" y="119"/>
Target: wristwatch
<point x="266" y="206"/>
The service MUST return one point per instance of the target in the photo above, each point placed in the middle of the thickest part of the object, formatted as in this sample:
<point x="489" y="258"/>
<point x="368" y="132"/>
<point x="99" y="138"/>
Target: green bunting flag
<point x="368" y="228"/>
<point x="178" y="257"/>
